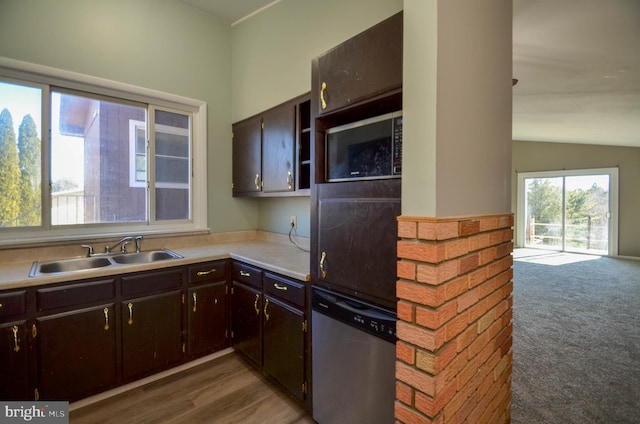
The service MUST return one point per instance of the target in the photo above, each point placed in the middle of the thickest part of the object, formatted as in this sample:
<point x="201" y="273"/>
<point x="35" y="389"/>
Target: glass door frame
<point x="521" y="214"/>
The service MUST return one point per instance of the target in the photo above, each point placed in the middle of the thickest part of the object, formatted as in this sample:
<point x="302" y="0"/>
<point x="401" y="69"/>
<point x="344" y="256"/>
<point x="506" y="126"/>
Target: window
<point x="111" y="159"/>
<point x="569" y="210"/>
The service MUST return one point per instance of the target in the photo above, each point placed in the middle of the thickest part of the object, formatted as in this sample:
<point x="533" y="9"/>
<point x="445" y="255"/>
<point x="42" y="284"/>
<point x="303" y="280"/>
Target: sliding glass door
<point x="568" y="210"/>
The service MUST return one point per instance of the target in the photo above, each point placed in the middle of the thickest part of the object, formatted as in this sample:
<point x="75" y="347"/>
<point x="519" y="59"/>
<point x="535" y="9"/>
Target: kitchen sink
<point x="68" y="265"/>
<point x="144" y="257"/>
<point x="94" y="262"/>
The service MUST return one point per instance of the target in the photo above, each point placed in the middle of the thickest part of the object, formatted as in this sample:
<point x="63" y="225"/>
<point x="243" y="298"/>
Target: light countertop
<point x="282" y="258"/>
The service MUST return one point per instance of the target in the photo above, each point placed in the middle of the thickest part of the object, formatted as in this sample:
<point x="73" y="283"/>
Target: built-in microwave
<point x="365" y="150"/>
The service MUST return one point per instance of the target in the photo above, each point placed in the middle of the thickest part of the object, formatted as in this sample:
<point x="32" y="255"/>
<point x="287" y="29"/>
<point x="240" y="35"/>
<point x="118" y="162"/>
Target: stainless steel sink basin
<point x="93" y="262"/>
<point x="144" y="257"/>
<point x="68" y="265"/>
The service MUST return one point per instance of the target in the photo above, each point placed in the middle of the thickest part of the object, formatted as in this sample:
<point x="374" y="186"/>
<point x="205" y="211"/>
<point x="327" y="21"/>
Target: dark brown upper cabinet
<point x="247" y="156"/>
<point x="271" y="151"/>
<point x="361" y="68"/>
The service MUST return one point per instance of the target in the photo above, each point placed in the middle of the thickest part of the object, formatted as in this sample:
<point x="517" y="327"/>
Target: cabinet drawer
<point x="247" y="274"/>
<point x="207" y="271"/>
<point x="284" y="288"/>
<point x="151" y="282"/>
<point x="13" y="303"/>
<point x="75" y="294"/>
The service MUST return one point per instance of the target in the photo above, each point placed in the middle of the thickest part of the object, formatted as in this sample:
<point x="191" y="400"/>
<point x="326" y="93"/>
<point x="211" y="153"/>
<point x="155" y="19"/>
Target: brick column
<point x="453" y="356"/>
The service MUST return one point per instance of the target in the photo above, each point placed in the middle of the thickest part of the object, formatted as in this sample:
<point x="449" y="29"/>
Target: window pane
<point x="587" y="213"/>
<point x="543" y="200"/>
<point x="20" y="155"/>
<point x="172" y="150"/>
<point x="90" y="161"/>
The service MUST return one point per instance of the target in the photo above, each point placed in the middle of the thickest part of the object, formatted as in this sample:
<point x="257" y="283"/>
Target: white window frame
<point x="35" y="74"/>
<point x="613" y="200"/>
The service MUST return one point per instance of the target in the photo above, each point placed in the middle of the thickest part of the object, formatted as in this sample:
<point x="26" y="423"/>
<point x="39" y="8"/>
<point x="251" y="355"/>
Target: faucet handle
<point x="138" y="240"/>
<point x="123" y="247"/>
<point x="90" y="251"/>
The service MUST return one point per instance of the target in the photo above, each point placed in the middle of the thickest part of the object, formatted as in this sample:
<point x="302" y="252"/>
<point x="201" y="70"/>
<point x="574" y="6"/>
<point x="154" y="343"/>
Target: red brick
<point x="467" y="299"/>
<point x="479" y="241"/>
<point x="478" y="344"/>
<point x="419" y="293"/>
<point x="407" y="229"/>
<point x="406" y="270"/>
<point x="435" y="318"/>
<point x="456" y="248"/>
<point x="418" y="336"/>
<point x="436" y="274"/>
<point x="404" y="393"/>
<point x="417" y="379"/>
<point x="466" y="338"/>
<point x="488" y="224"/>
<point x="468" y="227"/>
<point x="437" y="230"/>
<point x="465" y="374"/>
<point x="431" y="406"/>
<point x="409" y="416"/>
<point x="405" y="311"/>
<point x="456" y="326"/>
<point x="405" y="352"/>
<point x="478" y="276"/>
<point x="468" y="263"/>
<point x="424" y="252"/>
<point x="455" y="287"/>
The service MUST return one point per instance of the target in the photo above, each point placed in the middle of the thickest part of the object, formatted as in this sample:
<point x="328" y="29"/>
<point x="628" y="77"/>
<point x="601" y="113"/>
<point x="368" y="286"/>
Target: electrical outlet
<point x="293" y="223"/>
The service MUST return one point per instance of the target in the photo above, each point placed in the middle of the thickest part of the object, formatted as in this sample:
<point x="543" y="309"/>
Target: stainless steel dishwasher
<point x="353" y="359"/>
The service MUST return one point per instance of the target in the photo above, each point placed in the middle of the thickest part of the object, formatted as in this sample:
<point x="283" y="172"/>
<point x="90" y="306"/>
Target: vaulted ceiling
<point x="577" y="63"/>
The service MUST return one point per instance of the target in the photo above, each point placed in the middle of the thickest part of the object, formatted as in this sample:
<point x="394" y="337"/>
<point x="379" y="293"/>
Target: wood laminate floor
<point x="225" y="390"/>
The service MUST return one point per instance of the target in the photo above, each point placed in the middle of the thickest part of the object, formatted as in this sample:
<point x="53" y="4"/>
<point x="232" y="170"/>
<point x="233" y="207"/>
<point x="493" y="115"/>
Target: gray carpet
<point x="576" y="339"/>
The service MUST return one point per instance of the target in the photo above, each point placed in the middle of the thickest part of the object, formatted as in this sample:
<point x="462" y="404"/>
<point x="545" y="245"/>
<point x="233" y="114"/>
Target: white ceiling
<point x="577" y="62"/>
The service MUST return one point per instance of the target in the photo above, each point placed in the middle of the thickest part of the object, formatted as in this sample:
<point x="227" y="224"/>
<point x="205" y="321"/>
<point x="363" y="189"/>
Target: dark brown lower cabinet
<point x="207" y="322"/>
<point x="77" y="353"/>
<point x="283" y="345"/>
<point x="151" y="334"/>
<point x="246" y="307"/>
<point x="14" y="361"/>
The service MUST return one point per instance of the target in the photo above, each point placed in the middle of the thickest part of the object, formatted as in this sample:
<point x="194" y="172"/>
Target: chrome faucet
<point x="122" y="243"/>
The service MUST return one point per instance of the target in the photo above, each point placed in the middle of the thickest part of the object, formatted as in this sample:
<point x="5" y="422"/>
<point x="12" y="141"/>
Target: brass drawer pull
<point x="16" y="347"/>
<point x="257" y="182"/>
<point x="322" y="100"/>
<point x="195" y="301"/>
<point x="130" y="306"/>
<point x="266" y="314"/>
<point x="106" y="318"/>
<point x="201" y="273"/>
<point x="279" y="287"/>
<point x="322" y="259"/>
<point x="245" y="274"/>
<point x="255" y="305"/>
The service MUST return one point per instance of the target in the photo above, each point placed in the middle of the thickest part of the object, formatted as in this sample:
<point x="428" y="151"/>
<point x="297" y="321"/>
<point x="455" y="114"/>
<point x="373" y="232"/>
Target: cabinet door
<point x="247" y="154"/>
<point x="284" y="345"/>
<point x="246" y="307"/>
<point x="362" y="67"/>
<point x="14" y="362"/>
<point x="357" y="239"/>
<point x="151" y="333"/>
<point x="278" y="153"/>
<point x="207" y="318"/>
<point x="77" y="353"/>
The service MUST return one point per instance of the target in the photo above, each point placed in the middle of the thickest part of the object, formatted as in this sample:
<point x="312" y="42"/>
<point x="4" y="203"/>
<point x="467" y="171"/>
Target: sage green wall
<point x="271" y="63"/>
<point x="163" y="45"/>
<point x="540" y="156"/>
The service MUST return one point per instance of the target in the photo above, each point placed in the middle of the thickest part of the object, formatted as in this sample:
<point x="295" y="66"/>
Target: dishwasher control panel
<point x="362" y="315"/>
